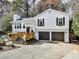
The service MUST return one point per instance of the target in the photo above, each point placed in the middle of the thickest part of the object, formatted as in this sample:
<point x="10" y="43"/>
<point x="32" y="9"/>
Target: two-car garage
<point x="56" y="36"/>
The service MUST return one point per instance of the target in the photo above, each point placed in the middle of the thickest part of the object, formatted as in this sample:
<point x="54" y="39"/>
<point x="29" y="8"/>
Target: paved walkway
<point x="40" y="51"/>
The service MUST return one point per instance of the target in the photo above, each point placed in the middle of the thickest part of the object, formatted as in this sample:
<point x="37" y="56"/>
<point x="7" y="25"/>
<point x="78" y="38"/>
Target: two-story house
<point x="48" y="25"/>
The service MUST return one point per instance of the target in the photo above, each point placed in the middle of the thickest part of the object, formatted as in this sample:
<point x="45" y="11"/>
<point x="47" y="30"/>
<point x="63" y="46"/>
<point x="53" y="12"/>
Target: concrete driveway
<point x="41" y="50"/>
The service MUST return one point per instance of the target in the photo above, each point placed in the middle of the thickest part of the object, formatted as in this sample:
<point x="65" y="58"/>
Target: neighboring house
<point x="48" y="25"/>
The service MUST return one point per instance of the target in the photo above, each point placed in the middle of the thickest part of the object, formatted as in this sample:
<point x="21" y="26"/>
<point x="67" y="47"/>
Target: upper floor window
<point x="40" y="22"/>
<point x="60" y="21"/>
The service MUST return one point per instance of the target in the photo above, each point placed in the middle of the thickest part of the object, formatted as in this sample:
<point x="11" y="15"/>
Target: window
<point x="40" y="22"/>
<point x="60" y="21"/>
<point x="17" y="25"/>
<point x="20" y="25"/>
<point x="24" y="26"/>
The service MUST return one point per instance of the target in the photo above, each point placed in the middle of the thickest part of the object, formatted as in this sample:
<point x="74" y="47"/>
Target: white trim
<point x="66" y="35"/>
<point x="53" y="10"/>
<point x="52" y="30"/>
<point x="37" y="35"/>
<point x="50" y="36"/>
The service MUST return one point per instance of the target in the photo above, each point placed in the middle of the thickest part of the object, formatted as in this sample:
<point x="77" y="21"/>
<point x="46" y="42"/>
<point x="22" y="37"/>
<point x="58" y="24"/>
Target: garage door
<point x="43" y="35"/>
<point x="58" y="36"/>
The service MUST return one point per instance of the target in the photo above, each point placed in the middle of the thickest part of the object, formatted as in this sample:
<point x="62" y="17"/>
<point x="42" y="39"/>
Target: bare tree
<point x="23" y="6"/>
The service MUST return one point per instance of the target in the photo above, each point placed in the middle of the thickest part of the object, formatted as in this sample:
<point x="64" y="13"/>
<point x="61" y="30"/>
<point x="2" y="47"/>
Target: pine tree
<point x="75" y="24"/>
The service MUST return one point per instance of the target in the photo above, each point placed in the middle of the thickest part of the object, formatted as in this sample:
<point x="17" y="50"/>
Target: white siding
<point x="50" y="24"/>
<point x="50" y="21"/>
<point x="17" y="29"/>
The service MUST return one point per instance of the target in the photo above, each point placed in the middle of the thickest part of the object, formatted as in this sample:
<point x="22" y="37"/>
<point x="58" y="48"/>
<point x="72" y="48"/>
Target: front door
<point x="28" y="29"/>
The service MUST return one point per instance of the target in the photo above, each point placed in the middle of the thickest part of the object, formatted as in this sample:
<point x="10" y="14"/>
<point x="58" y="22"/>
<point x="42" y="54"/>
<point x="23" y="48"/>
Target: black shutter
<point x="43" y="22"/>
<point x="38" y="22"/>
<point x="63" y="20"/>
<point x="57" y="21"/>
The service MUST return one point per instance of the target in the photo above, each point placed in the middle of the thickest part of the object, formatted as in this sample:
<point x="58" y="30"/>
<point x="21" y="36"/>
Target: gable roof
<point x="24" y="20"/>
<point x="48" y="10"/>
<point x="31" y="19"/>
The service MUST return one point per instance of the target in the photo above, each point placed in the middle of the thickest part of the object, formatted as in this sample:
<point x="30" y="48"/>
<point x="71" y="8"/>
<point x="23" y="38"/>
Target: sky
<point x="10" y="0"/>
<point x="65" y="1"/>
